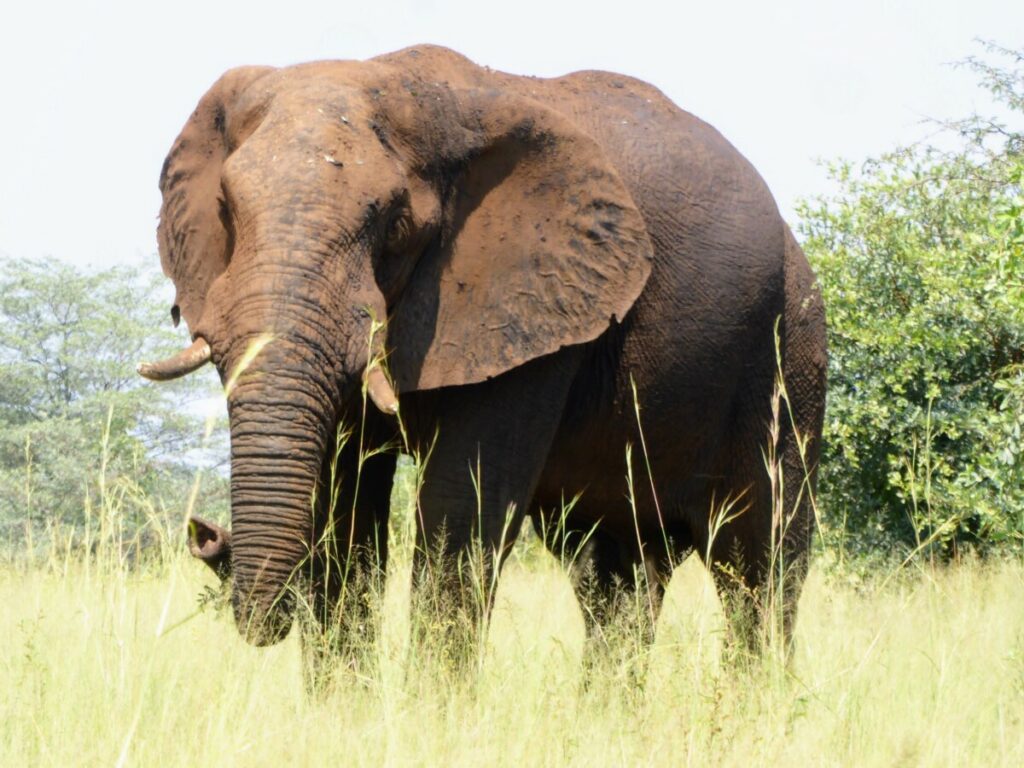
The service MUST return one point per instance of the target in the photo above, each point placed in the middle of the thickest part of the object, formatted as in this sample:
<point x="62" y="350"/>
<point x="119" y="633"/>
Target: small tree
<point x="921" y="259"/>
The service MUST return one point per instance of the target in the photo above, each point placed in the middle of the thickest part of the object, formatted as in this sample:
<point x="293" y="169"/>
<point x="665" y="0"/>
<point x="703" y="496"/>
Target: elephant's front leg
<point x="346" y="578"/>
<point x="492" y="442"/>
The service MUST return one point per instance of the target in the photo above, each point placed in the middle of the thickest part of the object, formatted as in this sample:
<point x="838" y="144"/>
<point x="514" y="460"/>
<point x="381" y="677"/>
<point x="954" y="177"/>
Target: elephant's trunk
<point x="279" y="427"/>
<point x="283" y="407"/>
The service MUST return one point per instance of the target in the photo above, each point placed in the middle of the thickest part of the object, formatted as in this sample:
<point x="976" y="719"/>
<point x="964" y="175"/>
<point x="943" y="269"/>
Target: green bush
<point x="920" y="254"/>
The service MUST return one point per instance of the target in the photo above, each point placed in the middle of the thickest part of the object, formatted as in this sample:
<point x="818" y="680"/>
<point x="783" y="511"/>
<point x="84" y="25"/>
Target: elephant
<point x="555" y="289"/>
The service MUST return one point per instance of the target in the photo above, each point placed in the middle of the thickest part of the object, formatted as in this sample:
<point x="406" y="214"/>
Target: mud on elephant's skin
<point x="535" y="247"/>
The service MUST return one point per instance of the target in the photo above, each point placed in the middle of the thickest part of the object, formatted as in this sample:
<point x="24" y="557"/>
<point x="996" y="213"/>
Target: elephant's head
<point x="301" y="206"/>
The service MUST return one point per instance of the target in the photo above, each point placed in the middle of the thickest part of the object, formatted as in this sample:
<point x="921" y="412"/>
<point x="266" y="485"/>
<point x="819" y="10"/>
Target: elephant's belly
<point x="613" y="468"/>
<point x="694" y="422"/>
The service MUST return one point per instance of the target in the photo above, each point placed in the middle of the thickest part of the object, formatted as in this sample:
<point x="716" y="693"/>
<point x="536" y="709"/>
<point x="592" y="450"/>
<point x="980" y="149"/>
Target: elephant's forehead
<point x="289" y="143"/>
<point x="299" y="105"/>
<point x="340" y="84"/>
<point x="334" y="124"/>
<point x="298" y="165"/>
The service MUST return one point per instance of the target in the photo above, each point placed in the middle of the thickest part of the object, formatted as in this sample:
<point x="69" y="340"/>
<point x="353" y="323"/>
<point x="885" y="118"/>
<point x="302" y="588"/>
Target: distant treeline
<point x="80" y="433"/>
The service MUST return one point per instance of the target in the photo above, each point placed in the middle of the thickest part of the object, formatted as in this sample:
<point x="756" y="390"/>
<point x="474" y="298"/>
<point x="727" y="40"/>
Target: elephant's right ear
<point x="543" y="246"/>
<point x="194" y="236"/>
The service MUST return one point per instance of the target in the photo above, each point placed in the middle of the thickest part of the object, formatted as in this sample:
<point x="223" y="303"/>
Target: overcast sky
<point x="93" y="93"/>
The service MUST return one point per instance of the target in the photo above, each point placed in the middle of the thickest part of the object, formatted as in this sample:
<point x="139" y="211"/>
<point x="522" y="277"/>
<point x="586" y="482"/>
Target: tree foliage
<point x="920" y="254"/>
<point x="76" y="421"/>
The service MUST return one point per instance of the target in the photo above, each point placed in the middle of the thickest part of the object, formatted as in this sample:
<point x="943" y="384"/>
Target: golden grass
<point x="927" y="669"/>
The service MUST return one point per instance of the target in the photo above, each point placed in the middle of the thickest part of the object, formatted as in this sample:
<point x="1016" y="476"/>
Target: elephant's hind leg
<point x="760" y="558"/>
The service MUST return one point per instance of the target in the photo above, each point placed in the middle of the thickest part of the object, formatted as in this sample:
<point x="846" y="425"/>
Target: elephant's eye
<point x="398" y="229"/>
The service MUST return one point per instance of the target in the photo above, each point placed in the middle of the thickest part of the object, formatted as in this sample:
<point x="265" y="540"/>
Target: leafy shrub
<point x="920" y="254"/>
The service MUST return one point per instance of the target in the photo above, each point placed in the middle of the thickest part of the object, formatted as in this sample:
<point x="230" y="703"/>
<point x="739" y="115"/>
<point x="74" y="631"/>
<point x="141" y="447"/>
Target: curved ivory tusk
<point x="186" y="361"/>
<point x="379" y="389"/>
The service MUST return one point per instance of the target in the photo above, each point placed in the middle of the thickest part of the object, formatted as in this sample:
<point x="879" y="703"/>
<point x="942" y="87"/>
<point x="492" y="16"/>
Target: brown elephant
<point x="541" y="255"/>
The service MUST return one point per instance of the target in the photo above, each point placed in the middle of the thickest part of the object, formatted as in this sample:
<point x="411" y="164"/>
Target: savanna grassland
<point x="106" y="664"/>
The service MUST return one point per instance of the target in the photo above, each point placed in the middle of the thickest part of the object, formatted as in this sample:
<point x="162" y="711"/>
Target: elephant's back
<point x="692" y="186"/>
<point x="718" y="237"/>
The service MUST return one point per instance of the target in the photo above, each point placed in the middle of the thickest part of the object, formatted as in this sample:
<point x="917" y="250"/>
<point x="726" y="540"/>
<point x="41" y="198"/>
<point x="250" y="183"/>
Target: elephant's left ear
<point x="543" y="248"/>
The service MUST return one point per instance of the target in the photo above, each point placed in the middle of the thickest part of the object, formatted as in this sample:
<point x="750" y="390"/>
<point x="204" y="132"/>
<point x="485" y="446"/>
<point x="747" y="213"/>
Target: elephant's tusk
<point x="186" y="361"/>
<point x="379" y="389"/>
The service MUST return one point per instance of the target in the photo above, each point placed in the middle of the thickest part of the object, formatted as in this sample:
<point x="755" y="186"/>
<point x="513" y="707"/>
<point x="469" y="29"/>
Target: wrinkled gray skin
<point x="536" y="247"/>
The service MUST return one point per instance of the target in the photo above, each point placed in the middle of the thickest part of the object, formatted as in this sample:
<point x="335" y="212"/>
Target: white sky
<point x="93" y="93"/>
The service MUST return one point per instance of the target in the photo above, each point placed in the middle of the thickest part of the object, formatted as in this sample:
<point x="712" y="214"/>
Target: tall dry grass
<point x="108" y="661"/>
